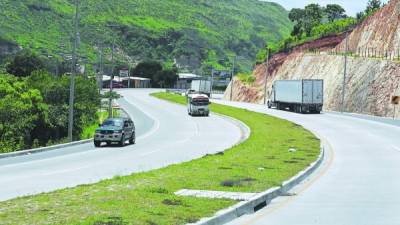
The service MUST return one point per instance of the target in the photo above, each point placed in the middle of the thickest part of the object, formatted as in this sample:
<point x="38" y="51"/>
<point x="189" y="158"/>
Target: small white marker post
<point x="395" y="102"/>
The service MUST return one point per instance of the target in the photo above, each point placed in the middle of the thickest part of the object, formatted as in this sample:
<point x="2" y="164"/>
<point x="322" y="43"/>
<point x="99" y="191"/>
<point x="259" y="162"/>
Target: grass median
<point x="261" y="162"/>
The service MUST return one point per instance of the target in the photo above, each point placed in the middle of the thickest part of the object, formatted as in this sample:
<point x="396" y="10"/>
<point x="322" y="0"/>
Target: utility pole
<point x="345" y="72"/>
<point x="266" y="77"/>
<point x="232" y="76"/>
<point x="73" y="73"/>
<point x="100" y="72"/>
<point x="101" y="68"/>
<point x="212" y="81"/>
<point x="110" y="110"/>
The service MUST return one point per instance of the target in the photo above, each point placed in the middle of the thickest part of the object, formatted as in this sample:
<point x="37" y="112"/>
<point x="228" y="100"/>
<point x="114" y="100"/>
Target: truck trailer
<point x="201" y="86"/>
<point x="301" y="96"/>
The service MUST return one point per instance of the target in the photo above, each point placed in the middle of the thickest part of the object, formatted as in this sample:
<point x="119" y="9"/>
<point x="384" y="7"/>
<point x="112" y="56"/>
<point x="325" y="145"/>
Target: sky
<point x="352" y="7"/>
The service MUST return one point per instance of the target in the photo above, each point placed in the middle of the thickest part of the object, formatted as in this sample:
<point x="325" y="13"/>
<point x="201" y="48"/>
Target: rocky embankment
<point x="371" y="81"/>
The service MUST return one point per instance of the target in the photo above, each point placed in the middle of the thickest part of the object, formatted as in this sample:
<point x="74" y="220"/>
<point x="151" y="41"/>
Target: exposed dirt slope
<point x="380" y="31"/>
<point x="370" y="82"/>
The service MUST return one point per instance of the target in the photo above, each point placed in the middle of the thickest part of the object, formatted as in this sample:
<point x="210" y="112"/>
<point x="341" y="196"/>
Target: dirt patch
<point x="238" y="182"/>
<point x="111" y="221"/>
<point x="172" y="202"/>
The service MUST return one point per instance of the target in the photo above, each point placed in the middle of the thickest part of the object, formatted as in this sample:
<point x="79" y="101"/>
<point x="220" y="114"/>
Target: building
<point x="185" y="80"/>
<point x="127" y="82"/>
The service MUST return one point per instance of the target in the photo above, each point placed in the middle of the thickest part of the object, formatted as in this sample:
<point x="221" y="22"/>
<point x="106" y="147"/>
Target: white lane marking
<point x="156" y="125"/>
<point x="396" y="148"/>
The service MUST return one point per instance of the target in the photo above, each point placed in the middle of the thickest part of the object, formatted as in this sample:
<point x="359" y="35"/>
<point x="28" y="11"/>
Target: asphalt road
<point x="165" y="135"/>
<point x="358" y="183"/>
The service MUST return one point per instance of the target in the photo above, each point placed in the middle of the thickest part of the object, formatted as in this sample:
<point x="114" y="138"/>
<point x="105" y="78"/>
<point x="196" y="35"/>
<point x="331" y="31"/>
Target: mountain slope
<point x="183" y="29"/>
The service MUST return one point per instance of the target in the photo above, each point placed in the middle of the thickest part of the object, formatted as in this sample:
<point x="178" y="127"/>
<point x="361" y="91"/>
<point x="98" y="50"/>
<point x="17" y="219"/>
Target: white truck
<point x="201" y="86"/>
<point x="301" y="96"/>
<point x="197" y="104"/>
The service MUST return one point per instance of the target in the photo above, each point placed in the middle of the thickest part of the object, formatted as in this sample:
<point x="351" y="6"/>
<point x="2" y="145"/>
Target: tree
<point x="147" y="69"/>
<point x="334" y="12"/>
<point x="166" y="78"/>
<point x="312" y="17"/>
<point x="55" y="91"/>
<point x="297" y="30"/>
<point x="296" y="15"/>
<point x="24" y="63"/>
<point x="372" y="6"/>
<point x="21" y="109"/>
<point x="306" y="19"/>
<point x="360" y="16"/>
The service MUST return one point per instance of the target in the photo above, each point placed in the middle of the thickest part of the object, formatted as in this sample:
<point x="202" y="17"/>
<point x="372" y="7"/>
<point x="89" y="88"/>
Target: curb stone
<point x="244" y="129"/>
<point x="262" y="199"/>
<point x="44" y="149"/>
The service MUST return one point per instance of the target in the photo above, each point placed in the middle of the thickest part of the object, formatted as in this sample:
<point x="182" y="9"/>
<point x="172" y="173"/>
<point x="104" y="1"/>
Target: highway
<point x="358" y="183"/>
<point x="165" y="135"/>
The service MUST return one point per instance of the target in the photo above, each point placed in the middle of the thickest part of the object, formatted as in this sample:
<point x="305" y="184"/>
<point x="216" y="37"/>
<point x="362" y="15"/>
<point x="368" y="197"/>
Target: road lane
<point x="359" y="182"/>
<point x="166" y="135"/>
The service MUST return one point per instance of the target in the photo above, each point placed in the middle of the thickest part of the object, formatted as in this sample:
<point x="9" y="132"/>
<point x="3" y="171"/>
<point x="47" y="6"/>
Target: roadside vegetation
<point x="34" y="105"/>
<point x="314" y="22"/>
<point x="261" y="162"/>
<point x="246" y="78"/>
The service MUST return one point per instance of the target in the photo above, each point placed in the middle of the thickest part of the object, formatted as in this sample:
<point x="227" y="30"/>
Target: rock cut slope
<point x="371" y="80"/>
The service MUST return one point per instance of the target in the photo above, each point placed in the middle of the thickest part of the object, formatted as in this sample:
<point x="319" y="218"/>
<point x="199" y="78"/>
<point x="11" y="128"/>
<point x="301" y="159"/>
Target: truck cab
<point x="197" y="104"/>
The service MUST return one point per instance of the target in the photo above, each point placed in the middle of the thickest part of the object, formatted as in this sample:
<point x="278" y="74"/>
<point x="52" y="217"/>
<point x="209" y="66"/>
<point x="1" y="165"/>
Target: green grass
<point x="147" y="198"/>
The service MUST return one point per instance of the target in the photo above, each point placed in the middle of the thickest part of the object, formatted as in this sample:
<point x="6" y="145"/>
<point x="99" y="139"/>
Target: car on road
<point x="118" y="85"/>
<point x="115" y="130"/>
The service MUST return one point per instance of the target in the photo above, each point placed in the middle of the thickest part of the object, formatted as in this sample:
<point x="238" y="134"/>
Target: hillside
<point x="373" y="74"/>
<point x="191" y="31"/>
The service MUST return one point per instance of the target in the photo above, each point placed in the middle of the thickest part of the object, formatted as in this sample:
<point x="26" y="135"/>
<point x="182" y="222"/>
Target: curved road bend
<point x="166" y="135"/>
<point x="358" y="183"/>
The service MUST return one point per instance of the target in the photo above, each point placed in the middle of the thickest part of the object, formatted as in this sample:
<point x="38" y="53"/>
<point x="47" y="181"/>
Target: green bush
<point x="246" y="78"/>
<point x="21" y="108"/>
<point x="34" y="110"/>
<point x="333" y="28"/>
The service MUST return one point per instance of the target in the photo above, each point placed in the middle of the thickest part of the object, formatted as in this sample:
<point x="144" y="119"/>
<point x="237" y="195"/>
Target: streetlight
<point x="72" y="78"/>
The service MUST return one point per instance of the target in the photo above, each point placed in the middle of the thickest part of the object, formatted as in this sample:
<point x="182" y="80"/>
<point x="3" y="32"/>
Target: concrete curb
<point x="244" y="129"/>
<point x="44" y="149"/>
<point x="262" y="199"/>
<point x="376" y="119"/>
